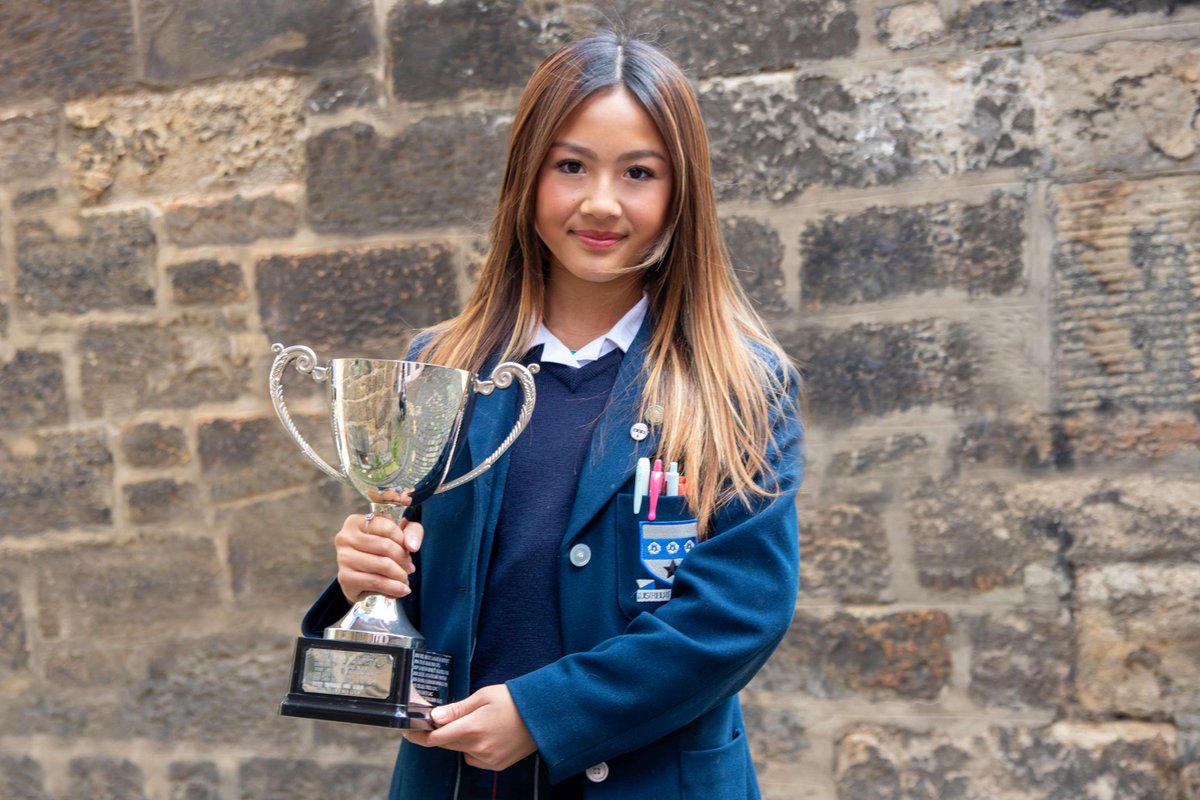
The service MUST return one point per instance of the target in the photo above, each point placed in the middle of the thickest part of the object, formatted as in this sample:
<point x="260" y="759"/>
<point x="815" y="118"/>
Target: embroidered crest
<point x="664" y="544"/>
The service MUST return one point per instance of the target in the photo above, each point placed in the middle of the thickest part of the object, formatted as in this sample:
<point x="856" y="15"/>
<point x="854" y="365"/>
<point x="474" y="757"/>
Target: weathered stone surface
<point x="895" y="655"/>
<point x="1127" y="306"/>
<point x="64" y="50"/>
<point x="889" y="252"/>
<point x="160" y="500"/>
<point x="845" y="553"/>
<point x="887" y="455"/>
<point x="1124" y="105"/>
<point x="910" y="25"/>
<point x="151" y="444"/>
<point x="336" y="92"/>
<point x="320" y="298"/>
<point x="106" y="779"/>
<point x="874" y="368"/>
<point x="176" y="364"/>
<point x="32" y="392"/>
<point x="207" y="282"/>
<point x="280" y="779"/>
<point x="990" y="23"/>
<point x="1021" y="659"/>
<point x="21" y="778"/>
<point x="184" y="41"/>
<point x="267" y="575"/>
<point x="107" y="264"/>
<point x="777" y="736"/>
<point x="14" y="646"/>
<point x="28" y="144"/>
<point x="440" y="48"/>
<point x="55" y="481"/>
<point x="194" y="781"/>
<point x="248" y="456"/>
<point x="973" y="536"/>
<point x="773" y="136"/>
<point x="1138" y="638"/>
<point x="207" y="138"/>
<point x="1082" y="761"/>
<point x="181" y="575"/>
<point x="237" y="220"/>
<point x="35" y="199"/>
<point x="360" y="181"/>
<point x="757" y="256"/>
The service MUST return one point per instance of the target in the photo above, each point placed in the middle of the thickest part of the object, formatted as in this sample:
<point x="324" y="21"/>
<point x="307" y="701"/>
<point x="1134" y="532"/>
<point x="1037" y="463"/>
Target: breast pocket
<point x="649" y="552"/>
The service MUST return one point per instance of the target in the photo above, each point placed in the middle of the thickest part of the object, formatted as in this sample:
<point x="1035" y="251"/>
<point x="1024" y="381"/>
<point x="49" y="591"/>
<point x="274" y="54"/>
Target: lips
<point x="598" y="240"/>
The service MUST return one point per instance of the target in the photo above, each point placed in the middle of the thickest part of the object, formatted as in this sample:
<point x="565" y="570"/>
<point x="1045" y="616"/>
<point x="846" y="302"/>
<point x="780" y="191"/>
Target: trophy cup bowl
<point x="397" y="426"/>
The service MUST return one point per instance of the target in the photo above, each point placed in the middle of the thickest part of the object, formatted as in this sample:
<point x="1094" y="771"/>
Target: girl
<point x="599" y="646"/>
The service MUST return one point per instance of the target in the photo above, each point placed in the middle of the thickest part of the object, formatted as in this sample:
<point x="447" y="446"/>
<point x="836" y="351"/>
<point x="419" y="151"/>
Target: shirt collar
<point x="619" y="337"/>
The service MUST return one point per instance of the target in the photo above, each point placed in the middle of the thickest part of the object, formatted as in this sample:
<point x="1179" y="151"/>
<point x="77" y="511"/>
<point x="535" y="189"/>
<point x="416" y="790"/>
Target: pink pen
<point x="656" y="484"/>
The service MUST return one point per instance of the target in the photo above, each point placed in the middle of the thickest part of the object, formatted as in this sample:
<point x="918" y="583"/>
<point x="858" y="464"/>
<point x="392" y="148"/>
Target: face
<point x="603" y="190"/>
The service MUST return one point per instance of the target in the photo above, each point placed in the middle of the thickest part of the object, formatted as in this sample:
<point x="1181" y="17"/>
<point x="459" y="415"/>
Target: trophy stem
<point x="377" y="618"/>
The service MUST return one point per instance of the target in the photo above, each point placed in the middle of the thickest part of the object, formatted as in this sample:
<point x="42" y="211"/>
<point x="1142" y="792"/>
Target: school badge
<point x="664" y="544"/>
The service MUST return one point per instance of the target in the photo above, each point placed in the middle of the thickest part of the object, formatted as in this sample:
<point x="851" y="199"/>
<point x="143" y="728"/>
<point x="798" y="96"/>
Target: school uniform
<point x="655" y="644"/>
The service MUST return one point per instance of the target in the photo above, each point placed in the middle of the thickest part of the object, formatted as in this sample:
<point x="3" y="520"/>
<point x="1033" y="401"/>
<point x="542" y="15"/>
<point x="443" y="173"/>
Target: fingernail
<point x="405" y="591"/>
<point x="439" y="715"/>
<point x="410" y="569"/>
<point x="411" y="542"/>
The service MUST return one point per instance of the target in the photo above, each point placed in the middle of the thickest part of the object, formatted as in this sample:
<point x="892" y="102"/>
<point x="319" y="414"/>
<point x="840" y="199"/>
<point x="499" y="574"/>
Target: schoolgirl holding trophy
<point x="608" y="587"/>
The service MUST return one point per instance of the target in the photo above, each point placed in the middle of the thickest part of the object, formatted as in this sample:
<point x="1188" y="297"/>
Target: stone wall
<point x="975" y="222"/>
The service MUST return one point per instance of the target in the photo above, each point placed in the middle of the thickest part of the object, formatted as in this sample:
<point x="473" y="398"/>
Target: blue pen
<point x="673" y="479"/>
<point x="641" y="484"/>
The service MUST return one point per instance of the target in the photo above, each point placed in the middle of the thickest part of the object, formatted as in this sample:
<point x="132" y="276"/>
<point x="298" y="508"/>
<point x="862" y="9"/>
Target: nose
<point x="601" y="201"/>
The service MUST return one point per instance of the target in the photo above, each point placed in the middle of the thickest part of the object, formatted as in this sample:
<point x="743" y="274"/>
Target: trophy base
<point x="367" y="684"/>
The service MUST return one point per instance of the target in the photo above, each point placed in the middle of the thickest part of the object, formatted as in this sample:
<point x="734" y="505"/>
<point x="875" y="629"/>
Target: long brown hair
<point x="711" y="364"/>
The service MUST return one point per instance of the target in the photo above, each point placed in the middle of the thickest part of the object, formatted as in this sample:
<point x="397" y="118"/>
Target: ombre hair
<point x="712" y="365"/>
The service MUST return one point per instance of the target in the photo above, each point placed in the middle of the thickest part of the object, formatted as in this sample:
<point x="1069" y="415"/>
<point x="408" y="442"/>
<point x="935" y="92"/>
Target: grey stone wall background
<point x="975" y="222"/>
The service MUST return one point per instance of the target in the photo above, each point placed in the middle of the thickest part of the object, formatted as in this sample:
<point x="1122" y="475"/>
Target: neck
<point x="577" y="311"/>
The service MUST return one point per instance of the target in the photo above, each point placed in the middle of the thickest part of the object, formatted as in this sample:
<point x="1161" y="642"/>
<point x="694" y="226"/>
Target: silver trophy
<point x="396" y="426"/>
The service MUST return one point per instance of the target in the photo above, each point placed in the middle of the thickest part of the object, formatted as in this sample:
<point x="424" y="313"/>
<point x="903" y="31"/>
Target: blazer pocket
<point x="648" y="552"/>
<point x="720" y="772"/>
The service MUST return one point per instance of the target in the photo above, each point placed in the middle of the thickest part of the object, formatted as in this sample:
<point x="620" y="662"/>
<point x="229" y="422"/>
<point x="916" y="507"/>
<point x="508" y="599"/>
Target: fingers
<point x="375" y="556"/>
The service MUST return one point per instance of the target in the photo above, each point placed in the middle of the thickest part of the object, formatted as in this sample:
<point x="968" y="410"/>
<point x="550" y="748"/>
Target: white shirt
<point x="619" y="336"/>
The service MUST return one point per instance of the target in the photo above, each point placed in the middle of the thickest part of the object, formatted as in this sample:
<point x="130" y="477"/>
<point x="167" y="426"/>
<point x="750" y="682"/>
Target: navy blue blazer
<point x="648" y="690"/>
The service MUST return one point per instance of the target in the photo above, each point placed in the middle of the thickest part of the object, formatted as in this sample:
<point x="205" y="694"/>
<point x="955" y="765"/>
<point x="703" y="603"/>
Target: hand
<point x="376" y="560"/>
<point x="486" y="728"/>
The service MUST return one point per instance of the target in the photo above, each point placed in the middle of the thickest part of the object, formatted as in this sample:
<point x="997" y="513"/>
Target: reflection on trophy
<point x="396" y="426"/>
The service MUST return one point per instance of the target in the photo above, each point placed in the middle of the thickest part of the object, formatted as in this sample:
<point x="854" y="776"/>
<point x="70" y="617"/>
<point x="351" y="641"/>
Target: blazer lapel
<point x="613" y="453"/>
<point x="491" y="420"/>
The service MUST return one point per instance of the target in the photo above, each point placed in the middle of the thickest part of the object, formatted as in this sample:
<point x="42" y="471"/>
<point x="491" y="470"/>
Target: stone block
<point x="179" y="363"/>
<point x="884" y="253"/>
<point x="55" y="481"/>
<point x="338" y="92"/>
<point x="35" y="199"/>
<point x="774" y="136"/>
<point x="844" y="553"/>
<point x="441" y="48"/>
<point x="194" y="780"/>
<point x="213" y="137"/>
<point x="902" y="655"/>
<point x="1021" y="659"/>
<point x="364" y="301"/>
<point x="887" y="455"/>
<point x="28" y="144"/>
<point x="21" y="778"/>
<point x="236" y="220"/>
<point x="153" y="445"/>
<point x="185" y="41"/>
<point x="241" y="457"/>
<point x="266" y="575"/>
<point x="910" y="25"/>
<point x="872" y="369"/>
<point x="1137" y="629"/>
<point x="360" y="181"/>
<point x="992" y="23"/>
<point x="972" y="536"/>
<point x="106" y="779"/>
<point x="1079" y="760"/>
<point x="65" y="49"/>
<point x="207" y="282"/>
<point x="162" y="500"/>
<point x="108" y="264"/>
<point x="778" y="736"/>
<point x="32" y="392"/>
<point x="1127" y="298"/>
<point x="14" y="645"/>
<point x="135" y="590"/>
<point x="757" y="256"/>
<point x="285" y="779"/>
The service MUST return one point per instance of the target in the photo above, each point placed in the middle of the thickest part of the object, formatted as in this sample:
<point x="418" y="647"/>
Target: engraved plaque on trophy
<point x="397" y="426"/>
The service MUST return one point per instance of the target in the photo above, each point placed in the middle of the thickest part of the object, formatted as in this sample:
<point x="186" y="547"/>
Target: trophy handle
<point x="306" y="362"/>
<point x="502" y="378"/>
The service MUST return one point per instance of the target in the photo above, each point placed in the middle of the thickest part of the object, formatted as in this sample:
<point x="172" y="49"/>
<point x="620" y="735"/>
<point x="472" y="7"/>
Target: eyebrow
<point x="632" y="155"/>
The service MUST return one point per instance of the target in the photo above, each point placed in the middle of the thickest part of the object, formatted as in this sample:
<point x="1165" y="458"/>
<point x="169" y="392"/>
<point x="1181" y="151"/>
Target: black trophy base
<point x="368" y="684"/>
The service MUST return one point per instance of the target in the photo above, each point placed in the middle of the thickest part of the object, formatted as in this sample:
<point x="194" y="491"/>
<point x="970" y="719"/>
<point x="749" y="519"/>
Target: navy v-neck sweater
<point x="519" y="622"/>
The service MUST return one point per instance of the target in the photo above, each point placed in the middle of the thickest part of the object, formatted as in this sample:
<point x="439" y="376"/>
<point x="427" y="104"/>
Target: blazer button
<point x="597" y="773"/>
<point x="581" y="554"/>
